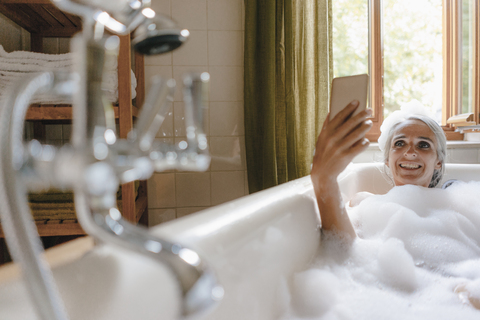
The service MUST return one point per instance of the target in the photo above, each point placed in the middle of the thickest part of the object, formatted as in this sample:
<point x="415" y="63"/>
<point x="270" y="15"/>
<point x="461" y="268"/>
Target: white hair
<point x="414" y="111"/>
<point x="441" y="145"/>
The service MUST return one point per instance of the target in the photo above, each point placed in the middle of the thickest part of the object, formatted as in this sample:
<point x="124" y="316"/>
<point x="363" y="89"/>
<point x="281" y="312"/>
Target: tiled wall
<point x="216" y="46"/>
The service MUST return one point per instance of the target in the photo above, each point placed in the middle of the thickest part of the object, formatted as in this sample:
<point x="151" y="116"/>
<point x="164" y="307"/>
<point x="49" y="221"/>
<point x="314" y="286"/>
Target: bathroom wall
<point x="216" y="46"/>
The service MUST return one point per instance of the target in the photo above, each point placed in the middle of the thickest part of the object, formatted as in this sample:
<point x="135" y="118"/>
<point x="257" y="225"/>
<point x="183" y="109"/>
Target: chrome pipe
<point x="199" y="286"/>
<point x="97" y="163"/>
<point x="21" y="234"/>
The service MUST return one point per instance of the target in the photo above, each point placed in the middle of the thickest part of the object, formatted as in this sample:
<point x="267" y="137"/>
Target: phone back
<point x="346" y="89"/>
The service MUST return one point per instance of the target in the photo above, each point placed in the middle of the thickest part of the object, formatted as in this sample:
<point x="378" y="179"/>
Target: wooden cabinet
<point x="42" y="19"/>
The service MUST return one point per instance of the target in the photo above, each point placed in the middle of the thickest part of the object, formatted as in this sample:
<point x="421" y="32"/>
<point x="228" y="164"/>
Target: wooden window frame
<point x="452" y="86"/>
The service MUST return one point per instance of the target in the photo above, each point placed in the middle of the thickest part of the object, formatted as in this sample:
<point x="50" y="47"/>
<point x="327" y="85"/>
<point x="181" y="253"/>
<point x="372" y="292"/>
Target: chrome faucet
<point x="97" y="161"/>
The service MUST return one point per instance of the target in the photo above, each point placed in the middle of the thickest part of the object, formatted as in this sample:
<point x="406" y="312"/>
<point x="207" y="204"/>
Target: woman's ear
<point x="438" y="165"/>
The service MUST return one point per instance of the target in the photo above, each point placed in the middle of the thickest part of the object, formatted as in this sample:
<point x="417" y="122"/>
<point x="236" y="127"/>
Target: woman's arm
<point x="340" y="140"/>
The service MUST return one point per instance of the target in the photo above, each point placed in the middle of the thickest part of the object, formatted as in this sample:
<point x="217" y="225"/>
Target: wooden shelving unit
<point x="42" y="19"/>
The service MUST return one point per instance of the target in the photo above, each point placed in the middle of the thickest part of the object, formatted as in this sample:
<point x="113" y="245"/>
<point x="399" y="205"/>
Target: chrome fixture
<point x="158" y="35"/>
<point x="97" y="161"/>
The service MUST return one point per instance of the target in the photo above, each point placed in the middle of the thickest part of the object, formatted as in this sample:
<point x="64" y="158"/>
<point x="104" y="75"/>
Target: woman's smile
<point x="413" y="154"/>
<point x="409" y="166"/>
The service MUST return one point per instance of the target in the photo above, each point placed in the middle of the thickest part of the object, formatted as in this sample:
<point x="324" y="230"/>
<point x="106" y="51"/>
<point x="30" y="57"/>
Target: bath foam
<point x="417" y="257"/>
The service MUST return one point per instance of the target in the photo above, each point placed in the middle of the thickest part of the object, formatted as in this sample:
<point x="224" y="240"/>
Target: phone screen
<point x="346" y="89"/>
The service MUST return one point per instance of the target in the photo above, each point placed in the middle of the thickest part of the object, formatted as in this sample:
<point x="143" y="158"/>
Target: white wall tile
<point x="227" y="186"/>
<point x="179" y="120"/>
<point x="179" y="72"/>
<point x="166" y="129"/>
<point x="165" y="59"/>
<point x="194" y="51"/>
<point x="227" y="153"/>
<point x="193" y="189"/>
<point x="181" y="212"/>
<point x="226" y="83"/>
<point x="226" y="119"/>
<point x="190" y="14"/>
<point x="215" y="46"/>
<point x="163" y="71"/>
<point x="157" y="216"/>
<point x="225" y="48"/>
<point x="165" y="141"/>
<point x="161" y="191"/>
<point x="225" y="15"/>
<point x="162" y="6"/>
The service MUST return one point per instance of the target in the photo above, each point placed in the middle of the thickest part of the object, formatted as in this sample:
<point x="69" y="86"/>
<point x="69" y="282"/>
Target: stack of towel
<point x="58" y="205"/>
<point x="17" y="64"/>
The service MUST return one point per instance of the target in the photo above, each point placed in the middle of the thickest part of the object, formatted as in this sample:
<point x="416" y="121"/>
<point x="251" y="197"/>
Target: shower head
<point x="154" y="33"/>
<point x="158" y="34"/>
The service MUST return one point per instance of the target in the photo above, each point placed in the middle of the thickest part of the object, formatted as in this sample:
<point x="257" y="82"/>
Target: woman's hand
<point x="340" y="140"/>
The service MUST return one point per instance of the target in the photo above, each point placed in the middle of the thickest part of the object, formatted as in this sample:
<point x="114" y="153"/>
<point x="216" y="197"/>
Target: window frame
<point x="452" y="86"/>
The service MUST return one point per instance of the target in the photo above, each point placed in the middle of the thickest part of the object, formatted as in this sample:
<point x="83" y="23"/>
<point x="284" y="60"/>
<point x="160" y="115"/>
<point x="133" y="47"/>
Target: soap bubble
<point x="417" y="257"/>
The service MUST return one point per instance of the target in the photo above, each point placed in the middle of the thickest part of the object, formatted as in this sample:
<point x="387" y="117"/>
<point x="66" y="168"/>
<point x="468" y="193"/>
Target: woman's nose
<point x="410" y="153"/>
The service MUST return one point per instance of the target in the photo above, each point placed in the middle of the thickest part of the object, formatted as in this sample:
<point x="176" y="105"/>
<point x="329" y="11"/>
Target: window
<point x="426" y="50"/>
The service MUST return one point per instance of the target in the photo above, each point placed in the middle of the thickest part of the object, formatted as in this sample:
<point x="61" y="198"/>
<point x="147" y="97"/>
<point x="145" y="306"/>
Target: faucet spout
<point x="97" y="162"/>
<point x="198" y="283"/>
<point x="21" y="235"/>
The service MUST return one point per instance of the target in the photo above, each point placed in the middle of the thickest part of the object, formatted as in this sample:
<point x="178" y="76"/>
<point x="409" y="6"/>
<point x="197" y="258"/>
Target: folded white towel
<point x="58" y="60"/>
<point x="15" y="65"/>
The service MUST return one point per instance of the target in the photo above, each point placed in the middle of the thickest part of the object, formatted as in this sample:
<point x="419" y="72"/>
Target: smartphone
<point x="346" y="89"/>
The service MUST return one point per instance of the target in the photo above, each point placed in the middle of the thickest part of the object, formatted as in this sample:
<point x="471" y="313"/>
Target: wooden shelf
<point x="41" y="17"/>
<point x="43" y="20"/>
<point x="69" y="227"/>
<point x="60" y="112"/>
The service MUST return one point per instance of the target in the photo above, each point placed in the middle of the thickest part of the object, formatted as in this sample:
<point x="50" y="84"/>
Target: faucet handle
<point x="154" y="110"/>
<point x="195" y="96"/>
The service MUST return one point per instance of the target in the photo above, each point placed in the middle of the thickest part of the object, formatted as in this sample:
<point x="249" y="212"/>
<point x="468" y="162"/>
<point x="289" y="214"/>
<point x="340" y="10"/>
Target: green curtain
<point x="288" y="70"/>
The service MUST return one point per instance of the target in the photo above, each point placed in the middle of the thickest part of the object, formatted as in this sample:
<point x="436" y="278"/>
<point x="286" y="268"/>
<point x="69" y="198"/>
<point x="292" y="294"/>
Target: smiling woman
<point x="391" y="139"/>
<point x="413" y="157"/>
<point x="416" y="152"/>
<point x="414" y="146"/>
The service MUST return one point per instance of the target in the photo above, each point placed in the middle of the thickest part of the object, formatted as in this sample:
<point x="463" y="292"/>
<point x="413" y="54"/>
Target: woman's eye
<point x="398" y="143"/>
<point x="424" y="145"/>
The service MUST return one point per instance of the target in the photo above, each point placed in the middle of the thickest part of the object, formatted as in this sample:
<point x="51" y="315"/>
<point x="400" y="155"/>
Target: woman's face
<point x="413" y="154"/>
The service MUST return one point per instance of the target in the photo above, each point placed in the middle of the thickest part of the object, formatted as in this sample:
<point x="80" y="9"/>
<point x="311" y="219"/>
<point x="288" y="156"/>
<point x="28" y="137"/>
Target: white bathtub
<point x="255" y="244"/>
